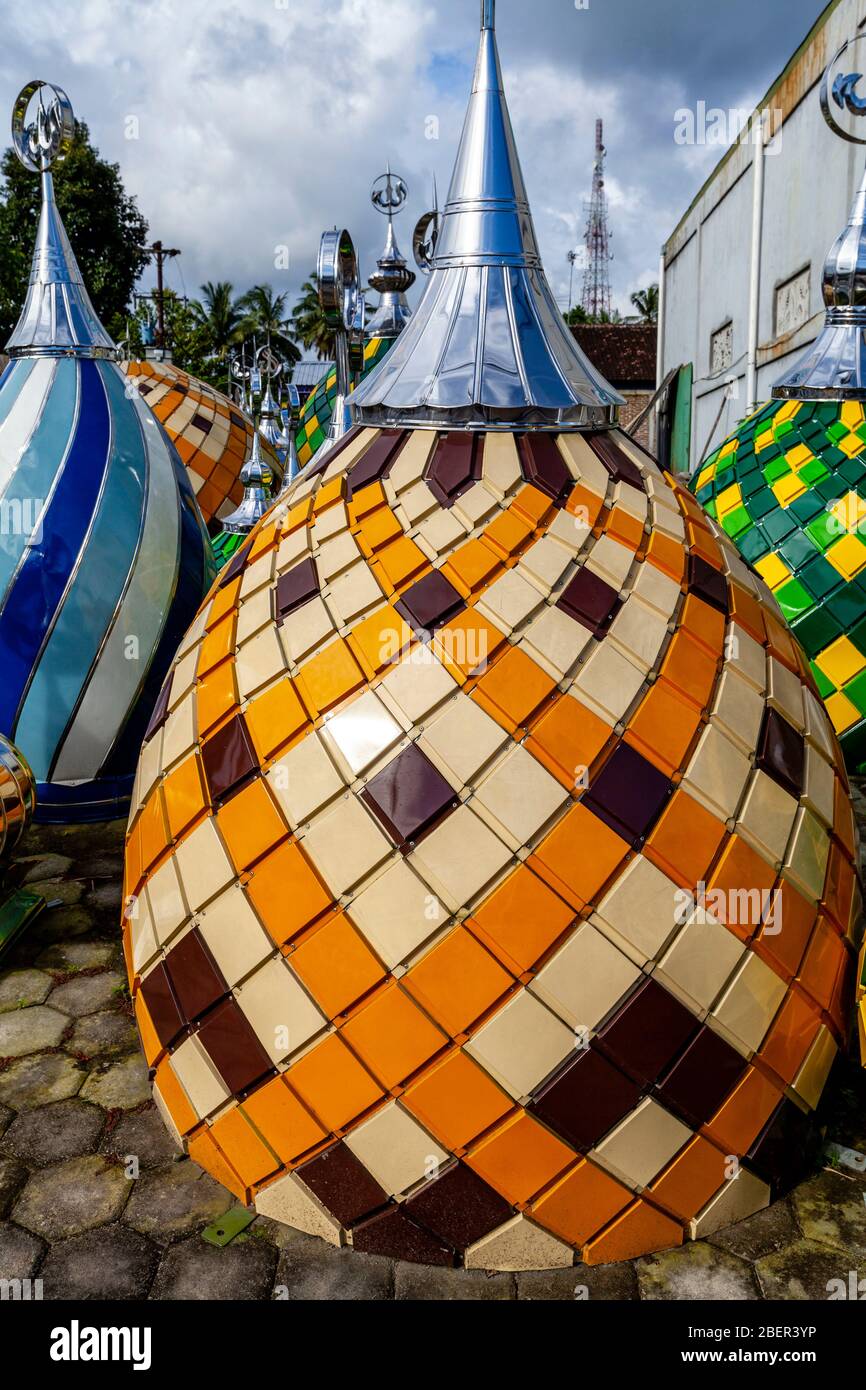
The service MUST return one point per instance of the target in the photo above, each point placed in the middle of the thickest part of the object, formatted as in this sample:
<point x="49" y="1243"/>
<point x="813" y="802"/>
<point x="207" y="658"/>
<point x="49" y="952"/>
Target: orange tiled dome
<point x="423" y="826"/>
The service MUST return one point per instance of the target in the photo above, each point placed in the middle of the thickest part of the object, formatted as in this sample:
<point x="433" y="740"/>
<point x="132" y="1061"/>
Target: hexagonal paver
<point x="30" y="1030"/>
<point x="141" y="1135"/>
<point x="86" y="993"/>
<point x="695" y="1271"/>
<point x="423" y="1284"/>
<point x="106" y="896"/>
<point x="39" y="1080"/>
<point x="101" y="1034"/>
<point x="122" y="1086"/>
<point x="607" y="1283"/>
<point x="20" y="1252"/>
<point x="760" y="1235"/>
<point x="13" y="1176"/>
<point x="805" y="1270"/>
<point x="20" y="988"/>
<point x="46" y="866"/>
<point x="310" y="1270"/>
<point x="112" y="1263"/>
<point x="193" y="1269"/>
<point x="61" y="924"/>
<point x="176" y="1200"/>
<point x="56" y="1132"/>
<point x="76" y="955"/>
<point x="72" y="1197"/>
<point x="830" y="1209"/>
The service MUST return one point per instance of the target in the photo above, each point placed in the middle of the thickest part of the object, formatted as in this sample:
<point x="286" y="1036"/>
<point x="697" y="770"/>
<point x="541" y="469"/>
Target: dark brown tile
<point x="458" y="1207"/>
<point x="409" y="795"/>
<point x="160" y="709"/>
<point x="378" y="461"/>
<point x="543" y="465"/>
<point x="781" y="752"/>
<point x="162" y="1005"/>
<point x="628" y="794"/>
<point x="647" y="1032"/>
<point x="708" y="583"/>
<point x="229" y="760"/>
<point x="392" y="1233"/>
<point x="430" y="603"/>
<point x="617" y="463"/>
<point x="585" y="1099"/>
<point x="296" y="587"/>
<point x="343" y="1185"/>
<point x="235" y="565"/>
<point x="590" y="601"/>
<point x="234" y="1048"/>
<point x="785" y="1148"/>
<point x="455" y="465"/>
<point x="195" y="978"/>
<point x="702" y="1078"/>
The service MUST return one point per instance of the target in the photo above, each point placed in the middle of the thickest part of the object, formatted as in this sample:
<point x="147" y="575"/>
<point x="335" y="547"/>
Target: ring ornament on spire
<point x="46" y="137"/>
<point x="389" y="194"/>
<point x="841" y="104"/>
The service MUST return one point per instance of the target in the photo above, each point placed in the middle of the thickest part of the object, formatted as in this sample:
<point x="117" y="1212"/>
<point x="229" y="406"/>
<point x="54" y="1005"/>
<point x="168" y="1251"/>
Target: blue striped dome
<point x="104" y="557"/>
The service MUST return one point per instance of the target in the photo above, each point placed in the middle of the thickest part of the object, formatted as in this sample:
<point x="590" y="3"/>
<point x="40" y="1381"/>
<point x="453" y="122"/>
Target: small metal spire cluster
<point x="394" y="277"/>
<point x="257" y="477"/>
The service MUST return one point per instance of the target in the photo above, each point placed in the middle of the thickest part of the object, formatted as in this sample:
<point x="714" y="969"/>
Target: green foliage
<point x="107" y="232"/>
<point x="308" y="323"/>
<point x="647" y="303"/>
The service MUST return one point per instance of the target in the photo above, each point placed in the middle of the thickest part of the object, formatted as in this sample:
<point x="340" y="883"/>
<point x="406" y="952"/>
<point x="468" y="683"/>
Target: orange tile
<point x="843" y="818"/>
<point x="151" y="1045"/>
<point x="792" y="1034"/>
<point x="705" y="624"/>
<point x="208" y="1155"/>
<point x="567" y="737"/>
<point x="578" y="856"/>
<point x="585" y="505"/>
<point x="508" y="532"/>
<point x="265" y="539"/>
<point x="329" y="493"/>
<point x="685" y="840"/>
<point x="367" y="499"/>
<point x="392" y="1036"/>
<point x="695" y="1176"/>
<point x="456" y="1100"/>
<point x="513" y="689"/>
<point x="521" y="919"/>
<point x="243" y="1148"/>
<point x="378" y="529"/>
<point x="520" y="1158"/>
<point x="153" y="830"/>
<point x="780" y="642"/>
<point x="690" y="668"/>
<point x="745" y="610"/>
<point x="580" y="1204"/>
<point x="329" y="677"/>
<point x="275" y="718"/>
<point x="624" y="528"/>
<point x="457" y="981"/>
<point x="471" y="567"/>
<point x="640" y="1230"/>
<point x="663" y="727"/>
<point x="737" y="1124"/>
<point x="174" y="1098"/>
<point x="838" y="888"/>
<point x="467" y="644"/>
<point x="667" y="555"/>
<point x="333" y="1083"/>
<point x="380" y="639"/>
<point x="225" y="601"/>
<point x="783" y="950"/>
<point x="286" y="1124"/>
<point x="740" y="869"/>
<point x="286" y="893"/>
<point x="185" y="796"/>
<point x="531" y="503"/>
<point x="132" y="866"/>
<point x="337" y="965"/>
<point x="297" y="516"/>
<point x="822" y="963"/>
<point x="216" y="696"/>
<point x="251" y="824"/>
<point x="701" y="543"/>
<point x="217" y="645"/>
<point x="402" y="560"/>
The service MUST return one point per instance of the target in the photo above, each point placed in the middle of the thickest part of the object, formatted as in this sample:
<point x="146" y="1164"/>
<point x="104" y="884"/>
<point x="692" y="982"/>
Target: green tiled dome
<point x="319" y="406"/>
<point x="790" y="488"/>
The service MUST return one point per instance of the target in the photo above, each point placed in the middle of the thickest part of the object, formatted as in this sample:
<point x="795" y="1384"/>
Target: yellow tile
<point x="729" y="499"/>
<point x="773" y="570"/>
<point x="763" y="441"/>
<point x="840" y="661"/>
<point x="799" y="456"/>
<point x="705" y="476"/>
<point x="730" y="448"/>
<point x="787" y="412"/>
<point x="787" y="489"/>
<point x="841" y="711"/>
<point x="851" y="415"/>
<point x="849" y="511"/>
<point x="852" y="445"/>
<point x="847" y="556"/>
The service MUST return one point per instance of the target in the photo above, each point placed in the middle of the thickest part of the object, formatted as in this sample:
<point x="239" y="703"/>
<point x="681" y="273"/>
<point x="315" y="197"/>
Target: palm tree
<point x="647" y="303"/>
<point x="264" y="314"/>
<point x="308" y="322"/>
<point x="219" y="315"/>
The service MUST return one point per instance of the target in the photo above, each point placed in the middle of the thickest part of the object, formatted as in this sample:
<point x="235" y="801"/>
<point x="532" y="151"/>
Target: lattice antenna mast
<point x="596" y="280"/>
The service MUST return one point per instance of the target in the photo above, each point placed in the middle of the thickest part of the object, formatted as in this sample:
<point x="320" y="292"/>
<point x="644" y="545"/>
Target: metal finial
<point x="488" y="14"/>
<point x="257" y="477"/>
<point x="342" y="300"/>
<point x="834" y="366"/>
<point x="58" y="318"/>
<point x="393" y="278"/>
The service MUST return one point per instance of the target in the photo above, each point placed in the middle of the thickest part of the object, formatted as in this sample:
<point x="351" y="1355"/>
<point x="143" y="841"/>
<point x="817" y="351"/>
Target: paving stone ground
<point x="96" y="1203"/>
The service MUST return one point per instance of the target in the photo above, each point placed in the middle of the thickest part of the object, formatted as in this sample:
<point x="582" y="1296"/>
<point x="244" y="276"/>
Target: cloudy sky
<point x="247" y="126"/>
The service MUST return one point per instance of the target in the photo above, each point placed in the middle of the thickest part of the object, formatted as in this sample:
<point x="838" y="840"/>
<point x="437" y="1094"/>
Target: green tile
<point x="793" y="599"/>
<point x="779" y="524"/>
<point x="846" y="605"/>
<point x="813" y="471"/>
<point x="816" y="630"/>
<point x="753" y="546"/>
<point x="797" y="550"/>
<point x="737" y="522"/>
<point x="825" y="686"/>
<point x="855" y="691"/>
<point x="819" y="577"/>
<point x="776" y="469"/>
<point x="823" y="530"/>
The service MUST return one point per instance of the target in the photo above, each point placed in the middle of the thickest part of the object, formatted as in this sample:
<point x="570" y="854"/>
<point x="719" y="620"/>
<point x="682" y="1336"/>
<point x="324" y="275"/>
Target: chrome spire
<point x="58" y="318"/>
<point x="258" y="479"/>
<point x="487" y="347"/>
<point x="393" y="277"/>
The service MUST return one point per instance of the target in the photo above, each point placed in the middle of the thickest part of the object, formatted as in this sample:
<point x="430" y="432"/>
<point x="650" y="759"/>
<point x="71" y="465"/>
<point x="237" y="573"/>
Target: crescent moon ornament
<point x="339" y="278"/>
<point x="42" y="130"/>
<point x="424" y="240"/>
<point x="842" y="105"/>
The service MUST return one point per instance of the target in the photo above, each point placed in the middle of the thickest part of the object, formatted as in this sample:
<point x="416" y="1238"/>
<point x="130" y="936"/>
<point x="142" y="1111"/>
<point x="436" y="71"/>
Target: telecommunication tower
<point x="596" y="280"/>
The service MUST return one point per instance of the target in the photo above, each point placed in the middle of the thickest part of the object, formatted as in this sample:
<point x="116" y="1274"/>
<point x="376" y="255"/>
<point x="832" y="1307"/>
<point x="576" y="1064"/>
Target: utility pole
<point x="596" y="279"/>
<point x="161" y="254"/>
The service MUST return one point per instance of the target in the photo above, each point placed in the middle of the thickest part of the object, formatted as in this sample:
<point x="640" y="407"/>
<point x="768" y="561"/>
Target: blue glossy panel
<point x="11" y="383"/>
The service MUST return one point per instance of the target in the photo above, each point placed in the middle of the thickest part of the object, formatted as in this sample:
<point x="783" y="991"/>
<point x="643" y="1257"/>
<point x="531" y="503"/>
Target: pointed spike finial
<point x="488" y="14"/>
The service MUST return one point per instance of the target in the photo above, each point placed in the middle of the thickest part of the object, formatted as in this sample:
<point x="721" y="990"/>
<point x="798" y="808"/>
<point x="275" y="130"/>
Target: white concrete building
<point x="741" y="272"/>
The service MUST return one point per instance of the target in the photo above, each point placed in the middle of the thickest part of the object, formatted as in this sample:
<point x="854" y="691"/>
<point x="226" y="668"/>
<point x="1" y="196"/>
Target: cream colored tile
<point x="522" y="1044"/>
<point x="630" y="501"/>
<point x="203" y="865"/>
<point x="509" y="601"/>
<point x="142" y="933"/>
<point x="585" y="466"/>
<point x="639" y="631"/>
<point x="330" y="523"/>
<point x="751" y="1001"/>
<point x="279" y="1009"/>
<point x="336" y="555"/>
<point x="397" y="913"/>
<point x="812" y="1076"/>
<point x="645" y="1141"/>
<point x="290" y="1201"/>
<point x="738" y="710"/>
<point x="305" y="629"/>
<point x="304" y="780"/>
<point x="194" y="633"/>
<point x="767" y="817"/>
<point x="641" y="909"/>
<point x="740" y="1197"/>
<point x="257" y="574"/>
<point x="460" y="857"/>
<point x="462" y="739"/>
<point x="556" y="641"/>
<point x="585" y="979"/>
<point x="700" y="962"/>
<point x="806" y="861"/>
<point x="418" y="684"/>
<point x="519" y="1245"/>
<point x="253" y="615"/>
<point x="819" y="785"/>
<point x="395" y="1149"/>
<point x="259" y="662"/>
<point x="545" y="562"/>
<point x="519" y="796"/>
<point x="354" y="593"/>
<point x="475" y="505"/>
<point x="785" y="693"/>
<point x="610" y="560"/>
<point x="819" y="730"/>
<point x="346" y="845"/>
<point x="417" y="502"/>
<point x="180" y="732"/>
<point x="233" y="935"/>
<point x="183" y="677"/>
<point x="718" y="773"/>
<point x="500" y="467"/>
<point x="199" y="1078"/>
<point x="608" y="681"/>
<point x="150" y="766"/>
<point x="570" y="530"/>
<point x="746" y="656"/>
<point x="412" y="459"/>
<point x="361" y="732"/>
<point x="295" y="547"/>
<point x="167" y="902"/>
<point x="658" y="590"/>
<point x="442" y="530"/>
